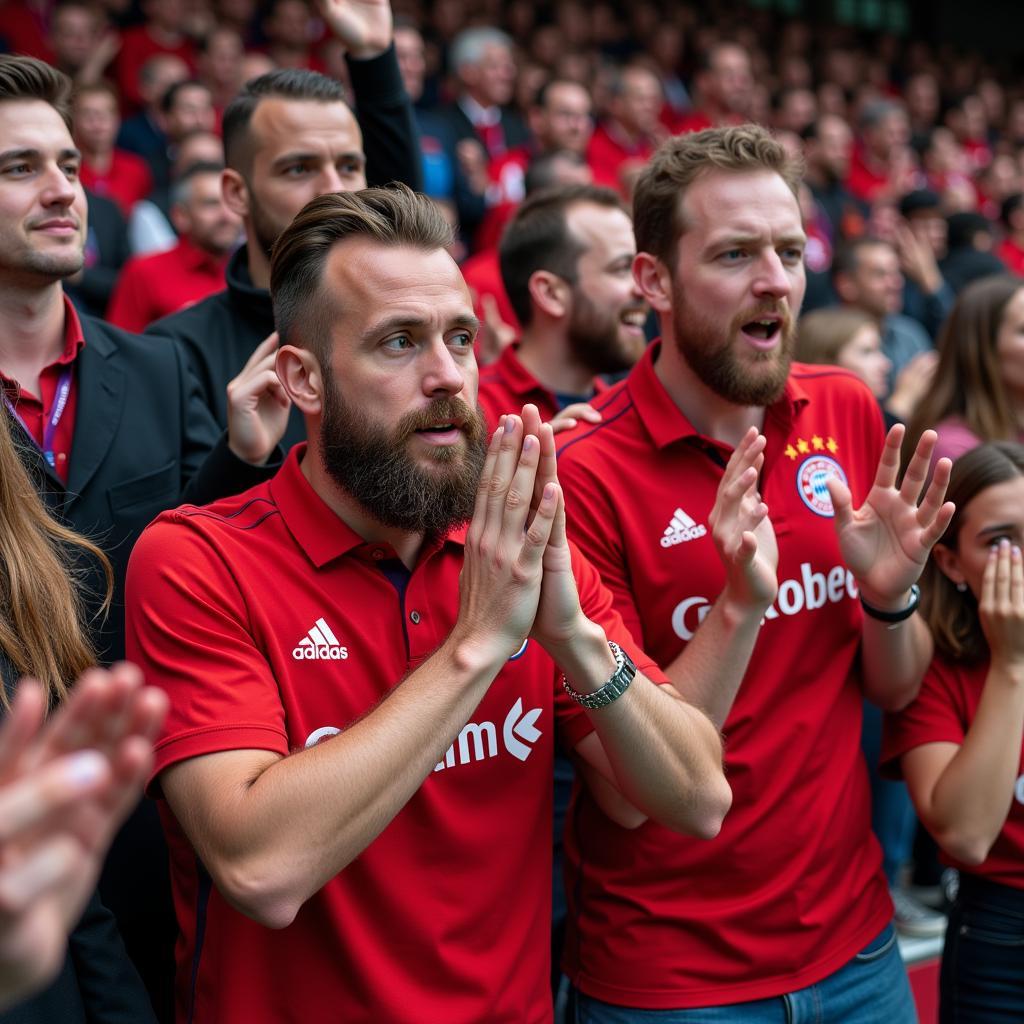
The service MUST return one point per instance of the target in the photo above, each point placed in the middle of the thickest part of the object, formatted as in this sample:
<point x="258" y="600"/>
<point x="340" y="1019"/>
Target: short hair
<point x="822" y="334"/>
<point x="542" y="170"/>
<point x="469" y="45"/>
<point x="168" y="99"/>
<point x="538" y="238"/>
<point x="25" y="78"/>
<point x="875" y="112"/>
<point x="846" y="258"/>
<point x="282" y="83"/>
<point x="392" y="216"/>
<point x="661" y="188"/>
<point x="540" y="99"/>
<point x="183" y="186"/>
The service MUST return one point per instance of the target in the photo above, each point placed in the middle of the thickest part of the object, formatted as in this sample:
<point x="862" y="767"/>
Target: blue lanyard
<point x="60" y="402"/>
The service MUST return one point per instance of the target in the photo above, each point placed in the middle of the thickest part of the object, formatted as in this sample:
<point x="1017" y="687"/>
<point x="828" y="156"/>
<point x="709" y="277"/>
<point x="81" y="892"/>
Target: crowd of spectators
<point x="912" y="199"/>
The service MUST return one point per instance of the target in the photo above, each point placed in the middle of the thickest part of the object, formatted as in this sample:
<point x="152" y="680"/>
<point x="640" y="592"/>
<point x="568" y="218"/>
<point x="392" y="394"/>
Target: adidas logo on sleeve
<point x="680" y="529"/>
<point x="320" y="644"/>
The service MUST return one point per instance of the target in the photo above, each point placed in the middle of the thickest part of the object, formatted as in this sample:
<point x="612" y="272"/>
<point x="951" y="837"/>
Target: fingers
<point x="889" y="463"/>
<point x="506" y="460"/>
<point x="918" y="468"/>
<point x="987" y="598"/>
<point x="539" y="533"/>
<point x="23" y="722"/>
<point x="1017" y="579"/>
<point x="48" y="866"/>
<point x="842" y="502"/>
<point x="266" y="349"/>
<point x="483" y="489"/>
<point x="519" y="496"/>
<point x="49" y="792"/>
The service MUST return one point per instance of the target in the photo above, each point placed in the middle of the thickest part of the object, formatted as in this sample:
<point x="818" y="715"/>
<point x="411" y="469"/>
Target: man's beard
<point x="757" y="381"/>
<point x="374" y="465"/>
<point x="594" y="338"/>
<point x="266" y="232"/>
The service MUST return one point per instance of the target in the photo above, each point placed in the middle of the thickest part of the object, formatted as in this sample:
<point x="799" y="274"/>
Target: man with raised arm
<point x="787" y="911"/>
<point x="365" y="661"/>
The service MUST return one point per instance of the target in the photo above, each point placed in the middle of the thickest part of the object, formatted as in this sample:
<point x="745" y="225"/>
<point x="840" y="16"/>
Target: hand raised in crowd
<point x="1001" y="607"/>
<point x="66" y="784"/>
<point x="366" y="27"/>
<point x="917" y="259"/>
<point x="258" y="406"/>
<point x="741" y="530"/>
<point x="500" y="584"/>
<point x="912" y="384"/>
<point x="885" y="542"/>
<point x="560" y="617"/>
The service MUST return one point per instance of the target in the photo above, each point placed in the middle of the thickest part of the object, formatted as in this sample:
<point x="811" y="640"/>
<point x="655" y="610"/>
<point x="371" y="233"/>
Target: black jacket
<point x="221" y="332"/>
<point x="97" y="983"/>
<point x="143" y="442"/>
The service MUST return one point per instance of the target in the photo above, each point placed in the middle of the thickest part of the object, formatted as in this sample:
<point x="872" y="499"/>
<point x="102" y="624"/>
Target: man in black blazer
<point x="112" y="425"/>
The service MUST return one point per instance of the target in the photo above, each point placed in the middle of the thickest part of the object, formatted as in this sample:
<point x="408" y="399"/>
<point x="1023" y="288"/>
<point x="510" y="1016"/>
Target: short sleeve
<point x="937" y="715"/>
<point x="188" y="630"/>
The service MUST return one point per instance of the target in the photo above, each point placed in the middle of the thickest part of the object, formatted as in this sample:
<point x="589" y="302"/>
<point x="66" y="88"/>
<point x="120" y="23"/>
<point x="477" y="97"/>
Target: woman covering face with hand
<point x="959" y="744"/>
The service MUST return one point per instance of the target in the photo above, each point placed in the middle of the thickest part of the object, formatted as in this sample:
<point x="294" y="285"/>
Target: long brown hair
<point x="42" y="627"/>
<point x="968" y="380"/>
<point x="951" y="614"/>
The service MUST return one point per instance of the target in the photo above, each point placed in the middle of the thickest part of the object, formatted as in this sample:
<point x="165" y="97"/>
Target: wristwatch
<point x="623" y="675"/>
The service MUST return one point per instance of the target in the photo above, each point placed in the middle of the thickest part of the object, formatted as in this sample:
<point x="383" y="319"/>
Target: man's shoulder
<point x="595" y="443"/>
<point x="193" y="323"/>
<point x="131" y="349"/>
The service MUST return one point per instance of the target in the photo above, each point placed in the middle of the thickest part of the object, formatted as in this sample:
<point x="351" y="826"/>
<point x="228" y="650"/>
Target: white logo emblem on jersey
<point x="680" y="529"/>
<point x="810" y="483"/>
<point x="320" y="644"/>
<point x="478" y="741"/>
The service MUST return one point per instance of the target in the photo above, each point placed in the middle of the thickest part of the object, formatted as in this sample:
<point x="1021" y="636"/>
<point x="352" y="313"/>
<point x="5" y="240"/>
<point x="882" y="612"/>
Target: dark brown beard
<point x="374" y="466"/>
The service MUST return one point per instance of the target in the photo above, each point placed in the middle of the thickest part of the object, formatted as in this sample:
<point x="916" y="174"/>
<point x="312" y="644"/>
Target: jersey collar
<point x="666" y="423"/>
<point x="318" y="530"/>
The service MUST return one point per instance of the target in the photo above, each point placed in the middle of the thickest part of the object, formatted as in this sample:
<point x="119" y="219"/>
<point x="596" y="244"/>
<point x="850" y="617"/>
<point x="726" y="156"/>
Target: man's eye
<point x="296" y="170"/>
<point x="461" y="340"/>
<point x="17" y="169"/>
<point x="398" y="343"/>
<point x="792" y="255"/>
<point x="733" y="255"/>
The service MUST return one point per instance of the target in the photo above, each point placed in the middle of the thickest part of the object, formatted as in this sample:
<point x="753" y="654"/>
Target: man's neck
<point x="406" y="545"/>
<point x="31" y="331"/>
<point x="710" y="413"/>
<point x="259" y="265"/>
<point x="546" y="356"/>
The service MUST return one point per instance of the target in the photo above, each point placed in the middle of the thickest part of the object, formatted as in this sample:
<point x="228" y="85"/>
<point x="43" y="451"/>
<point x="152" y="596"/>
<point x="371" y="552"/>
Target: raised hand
<point x="885" y="542"/>
<point x="1001" y="605"/>
<point x="568" y="417"/>
<point x="741" y="530"/>
<point x="366" y="27"/>
<point x="258" y="405"/>
<point x="500" y="584"/>
<point x="65" y="786"/>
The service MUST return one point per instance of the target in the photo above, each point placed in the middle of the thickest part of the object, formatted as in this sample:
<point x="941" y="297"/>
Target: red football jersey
<point x="792" y="887"/>
<point x="942" y="713"/>
<point x="273" y="626"/>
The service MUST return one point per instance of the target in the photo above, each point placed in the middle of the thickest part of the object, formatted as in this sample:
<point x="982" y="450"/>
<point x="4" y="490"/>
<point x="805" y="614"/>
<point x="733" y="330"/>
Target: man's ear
<point x="949" y="562"/>
<point x="299" y="371"/>
<point x="549" y="293"/>
<point x="654" y="280"/>
<point x="235" y="192"/>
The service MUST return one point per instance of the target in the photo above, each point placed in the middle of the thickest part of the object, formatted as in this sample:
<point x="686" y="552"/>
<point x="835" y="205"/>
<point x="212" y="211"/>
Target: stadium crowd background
<point x="914" y="183"/>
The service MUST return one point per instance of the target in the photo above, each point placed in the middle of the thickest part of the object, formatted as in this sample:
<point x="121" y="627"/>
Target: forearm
<point x="709" y="670"/>
<point x="305" y="817"/>
<point x="894" y="657"/>
<point x="971" y="799"/>
<point x="665" y="755"/>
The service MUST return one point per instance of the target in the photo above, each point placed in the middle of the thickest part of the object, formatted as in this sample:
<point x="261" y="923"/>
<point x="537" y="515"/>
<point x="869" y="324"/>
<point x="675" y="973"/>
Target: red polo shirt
<point x="35" y="411"/>
<point x="156" y="285"/>
<point x="1012" y="255"/>
<point x="506" y="386"/>
<point x="945" y="707"/>
<point x="272" y="625"/>
<point x="792" y="887"/>
<point x="610" y="156"/>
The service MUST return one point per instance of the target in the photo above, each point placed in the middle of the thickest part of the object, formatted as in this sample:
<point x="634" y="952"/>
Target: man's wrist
<point x="586" y="661"/>
<point x="893" y="611"/>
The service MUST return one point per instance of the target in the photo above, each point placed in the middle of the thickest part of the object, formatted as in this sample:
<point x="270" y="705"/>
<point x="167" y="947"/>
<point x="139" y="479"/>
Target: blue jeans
<point x="871" y="989"/>
<point x="982" y="980"/>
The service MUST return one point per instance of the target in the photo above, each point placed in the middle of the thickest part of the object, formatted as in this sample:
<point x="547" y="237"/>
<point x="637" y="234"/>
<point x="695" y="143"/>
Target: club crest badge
<point x="810" y="483"/>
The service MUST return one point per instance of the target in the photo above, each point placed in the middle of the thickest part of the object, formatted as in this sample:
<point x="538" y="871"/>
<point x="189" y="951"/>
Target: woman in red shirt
<point x="959" y="744"/>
